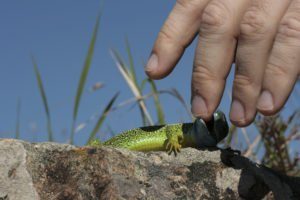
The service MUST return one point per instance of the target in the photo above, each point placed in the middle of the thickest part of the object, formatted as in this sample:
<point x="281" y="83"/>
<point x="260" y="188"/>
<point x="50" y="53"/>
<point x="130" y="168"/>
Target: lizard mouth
<point x="210" y="125"/>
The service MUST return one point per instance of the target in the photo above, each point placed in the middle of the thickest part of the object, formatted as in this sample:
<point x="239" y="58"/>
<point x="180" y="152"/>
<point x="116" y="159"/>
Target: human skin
<point x="262" y="37"/>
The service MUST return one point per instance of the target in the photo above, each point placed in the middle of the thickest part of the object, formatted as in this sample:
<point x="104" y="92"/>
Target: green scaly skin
<point x="171" y="137"/>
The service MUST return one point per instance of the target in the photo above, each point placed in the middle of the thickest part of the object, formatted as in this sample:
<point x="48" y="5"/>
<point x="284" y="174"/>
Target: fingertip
<point x="161" y="62"/>
<point x="239" y="115"/>
<point x="151" y="68"/>
<point x="206" y="95"/>
<point x="265" y="104"/>
<point x="152" y="64"/>
<point x="199" y="108"/>
<point x="265" y="101"/>
<point x="241" y="123"/>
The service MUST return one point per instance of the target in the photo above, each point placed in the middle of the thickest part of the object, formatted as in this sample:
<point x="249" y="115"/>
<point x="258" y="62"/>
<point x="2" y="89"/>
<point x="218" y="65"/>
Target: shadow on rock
<point x="257" y="181"/>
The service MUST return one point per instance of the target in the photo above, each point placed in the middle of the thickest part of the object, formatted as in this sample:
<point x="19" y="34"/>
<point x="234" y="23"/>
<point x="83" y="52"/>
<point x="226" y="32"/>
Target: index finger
<point x="177" y="33"/>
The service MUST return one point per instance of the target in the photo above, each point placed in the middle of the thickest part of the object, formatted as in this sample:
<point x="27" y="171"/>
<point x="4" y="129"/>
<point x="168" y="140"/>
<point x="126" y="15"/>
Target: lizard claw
<point x="173" y="146"/>
<point x="168" y="145"/>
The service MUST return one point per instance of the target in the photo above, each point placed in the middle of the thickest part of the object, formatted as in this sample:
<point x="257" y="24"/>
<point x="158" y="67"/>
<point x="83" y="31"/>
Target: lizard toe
<point x="168" y="146"/>
<point x="170" y="149"/>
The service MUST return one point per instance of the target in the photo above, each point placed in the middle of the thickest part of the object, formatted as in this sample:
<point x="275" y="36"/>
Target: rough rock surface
<point x="56" y="171"/>
<point x="60" y="171"/>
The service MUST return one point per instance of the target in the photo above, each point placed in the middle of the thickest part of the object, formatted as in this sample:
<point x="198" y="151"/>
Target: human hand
<point x="261" y="36"/>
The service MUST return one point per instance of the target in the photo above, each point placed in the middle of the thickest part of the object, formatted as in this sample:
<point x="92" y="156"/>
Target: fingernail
<point x="152" y="63"/>
<point x="199" y="108"/>
<point x="237" y="112"/>
<point x="265" y="101"/>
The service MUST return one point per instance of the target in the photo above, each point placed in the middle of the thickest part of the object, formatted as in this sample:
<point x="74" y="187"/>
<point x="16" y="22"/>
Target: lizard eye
<point x="219" y="115"/>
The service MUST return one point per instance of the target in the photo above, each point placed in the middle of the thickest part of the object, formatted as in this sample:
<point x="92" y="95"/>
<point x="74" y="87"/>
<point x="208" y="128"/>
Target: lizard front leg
<point x="174" y="139"/>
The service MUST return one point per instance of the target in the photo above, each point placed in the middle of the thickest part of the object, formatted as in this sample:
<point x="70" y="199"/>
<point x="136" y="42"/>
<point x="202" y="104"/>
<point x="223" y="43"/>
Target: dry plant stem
<point x="252" y="146"/>
<point x="245" y="134"/>
<point x="147" y="96"/>
<point x="84" y="124"/>
<point x="273" y="131"/>
<point x="133" y="88"/>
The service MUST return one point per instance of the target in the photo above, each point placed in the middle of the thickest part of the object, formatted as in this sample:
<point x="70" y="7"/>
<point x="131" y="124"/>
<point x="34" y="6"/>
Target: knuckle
<point x="215" y="18"/>
<point x="253" y="25"/>
<point x="166" y="34"/>
<point x="167" y="39"/>
<point x="203" y="74"/>
<point x="289" y="30"/>
<point x="241" y="80"/>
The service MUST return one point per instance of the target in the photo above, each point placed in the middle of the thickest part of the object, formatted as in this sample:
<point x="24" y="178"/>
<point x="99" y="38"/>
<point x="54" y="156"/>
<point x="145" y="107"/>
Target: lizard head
<point x="212" y="132"/>
<point x="202" y="135"/>
<point x="218" y="126"/>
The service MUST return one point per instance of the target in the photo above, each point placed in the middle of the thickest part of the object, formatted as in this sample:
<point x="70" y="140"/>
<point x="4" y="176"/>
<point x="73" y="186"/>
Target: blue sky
<point x="58" y="33"/>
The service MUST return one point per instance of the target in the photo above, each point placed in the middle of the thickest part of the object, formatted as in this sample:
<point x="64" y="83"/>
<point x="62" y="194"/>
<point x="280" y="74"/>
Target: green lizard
<point x="172" y="137"/>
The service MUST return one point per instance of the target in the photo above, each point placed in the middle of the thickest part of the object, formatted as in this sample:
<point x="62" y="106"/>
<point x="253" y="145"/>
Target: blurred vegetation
<point x="271" y="145"/>
<point x="276" y="135"/>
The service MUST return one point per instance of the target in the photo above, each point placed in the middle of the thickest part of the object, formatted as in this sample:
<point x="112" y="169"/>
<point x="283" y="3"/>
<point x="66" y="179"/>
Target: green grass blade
<point x="111" y="131"/>
<point x="131" y="63"/>
<point x="102" y="118"/>
<point x="44" y="98"/>
<point x="232" y="131"/>
<point x="159" y="110"/>
<point x="143" y="84"/>
<point x="84" y="74"/>
<point x="18" y="119"/>
<point x="144" y="118"/>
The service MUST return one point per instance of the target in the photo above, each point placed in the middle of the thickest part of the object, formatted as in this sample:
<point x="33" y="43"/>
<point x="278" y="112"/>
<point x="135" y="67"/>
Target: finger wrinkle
<point x="190" y="4"/>
<point x="208" y="89"/>
<point x="285" y="57"/>
<point x="168" y="39"/>
<point x="289" y="30"/>
<point x="253" y="26"/>
<point x="215" y="18"/>
<point x="245" y="81"/>
<point x="275" y="70"/>
<point x="205" y="74"/>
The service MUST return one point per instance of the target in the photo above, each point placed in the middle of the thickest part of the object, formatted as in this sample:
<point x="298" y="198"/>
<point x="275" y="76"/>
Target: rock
<point x="61" y="171"/>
